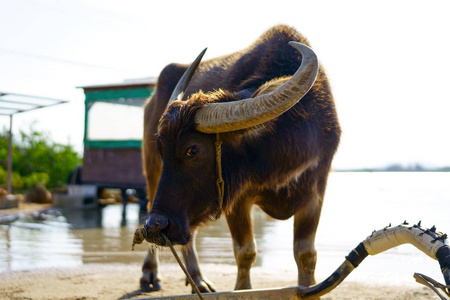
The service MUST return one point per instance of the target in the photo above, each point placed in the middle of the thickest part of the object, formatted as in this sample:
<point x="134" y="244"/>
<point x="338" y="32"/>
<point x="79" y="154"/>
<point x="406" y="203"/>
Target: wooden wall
<point x="113" y="167"/>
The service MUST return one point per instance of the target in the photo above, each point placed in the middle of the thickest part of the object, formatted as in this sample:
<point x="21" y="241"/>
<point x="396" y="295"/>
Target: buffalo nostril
<point x="156" y="223"/>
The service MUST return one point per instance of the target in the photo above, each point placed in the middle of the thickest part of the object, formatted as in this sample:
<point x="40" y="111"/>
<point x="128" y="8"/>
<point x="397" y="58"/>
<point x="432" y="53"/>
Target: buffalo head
<point x="189" y="192"/>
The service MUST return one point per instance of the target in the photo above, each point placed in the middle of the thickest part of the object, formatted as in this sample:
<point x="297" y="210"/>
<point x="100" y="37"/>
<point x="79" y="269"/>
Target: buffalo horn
<point x="241" y="114"/>
<point x="182" y="84"/>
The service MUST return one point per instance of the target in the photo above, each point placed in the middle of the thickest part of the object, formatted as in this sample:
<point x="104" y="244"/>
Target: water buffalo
<point x="230" y="132"/>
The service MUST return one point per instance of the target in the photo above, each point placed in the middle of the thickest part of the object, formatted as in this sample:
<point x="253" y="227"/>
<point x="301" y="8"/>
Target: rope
<point x="220" y="183"/>
<point x="220" y="190"/>
<point x="191" y="281"/>
<point x="139" y="236"/>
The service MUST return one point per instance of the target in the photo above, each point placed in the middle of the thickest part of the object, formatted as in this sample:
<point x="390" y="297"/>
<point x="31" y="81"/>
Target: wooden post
<point x="9" y="162"/>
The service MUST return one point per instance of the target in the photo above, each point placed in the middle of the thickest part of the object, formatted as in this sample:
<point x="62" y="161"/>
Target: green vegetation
<point x="36" y="160"/>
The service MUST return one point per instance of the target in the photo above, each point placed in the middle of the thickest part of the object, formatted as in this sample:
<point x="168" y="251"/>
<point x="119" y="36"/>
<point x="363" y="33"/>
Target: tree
<point x="37" y="160"/>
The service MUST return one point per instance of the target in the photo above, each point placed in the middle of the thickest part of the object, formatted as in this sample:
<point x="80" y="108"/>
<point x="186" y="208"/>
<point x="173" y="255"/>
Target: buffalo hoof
<point x="203" y="284"/>
<point x="150" y="287"/>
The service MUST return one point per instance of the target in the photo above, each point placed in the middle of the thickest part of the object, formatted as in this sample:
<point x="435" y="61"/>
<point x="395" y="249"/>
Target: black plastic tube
<point x="443" y="256"/>
<point x="354" y="258"/>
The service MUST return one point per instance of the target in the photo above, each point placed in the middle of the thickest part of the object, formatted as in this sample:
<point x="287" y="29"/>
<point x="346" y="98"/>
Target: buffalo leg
<point x="150" y="280"/>
<point x="192" y="266"/>
<point x="244" y="245"/>
<point x="305" y="226"/>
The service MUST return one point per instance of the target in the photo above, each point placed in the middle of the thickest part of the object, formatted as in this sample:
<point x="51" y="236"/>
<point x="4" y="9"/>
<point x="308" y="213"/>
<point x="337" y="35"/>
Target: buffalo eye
<point x="192" y="151"/>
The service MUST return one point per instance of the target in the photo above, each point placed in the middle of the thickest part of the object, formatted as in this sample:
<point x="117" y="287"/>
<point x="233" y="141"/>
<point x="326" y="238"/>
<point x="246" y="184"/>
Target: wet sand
<point x="120" y="281"/>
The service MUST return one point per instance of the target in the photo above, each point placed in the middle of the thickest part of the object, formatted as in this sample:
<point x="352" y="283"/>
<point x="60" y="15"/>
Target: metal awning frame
<point x="10" y="107"/>
<point x="14" y="107"/>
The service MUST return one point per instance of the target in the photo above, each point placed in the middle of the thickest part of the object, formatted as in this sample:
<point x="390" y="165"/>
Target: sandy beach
<point x="119" y="281"/>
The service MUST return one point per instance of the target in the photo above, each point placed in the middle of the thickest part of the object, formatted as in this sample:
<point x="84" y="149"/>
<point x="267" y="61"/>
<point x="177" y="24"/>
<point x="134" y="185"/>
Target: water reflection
<point x="71" y="237"/>
<point x="66" y="238"/>
<point x="215" y="244"/>
<point x="28" y="244"/>
<point x="356" y="204"/>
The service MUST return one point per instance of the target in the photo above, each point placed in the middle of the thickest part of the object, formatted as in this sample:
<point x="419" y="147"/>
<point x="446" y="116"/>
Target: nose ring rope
<point x="191" y="281"/>
<point x="220" y="191"/>
<point x="219" y="183"/>
<point x="141" y="233"/>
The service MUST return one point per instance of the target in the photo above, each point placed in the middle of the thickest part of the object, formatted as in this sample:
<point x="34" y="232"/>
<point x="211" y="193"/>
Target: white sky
<point x="387" y="60"/>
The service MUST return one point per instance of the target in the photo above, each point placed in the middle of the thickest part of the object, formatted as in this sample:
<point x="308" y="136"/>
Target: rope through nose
<point x="219" y="181"/>
<point x="191" y="281"/>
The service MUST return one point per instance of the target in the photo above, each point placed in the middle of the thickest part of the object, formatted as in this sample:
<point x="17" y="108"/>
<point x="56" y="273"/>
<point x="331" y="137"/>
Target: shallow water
<point x="355" y="205"/>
